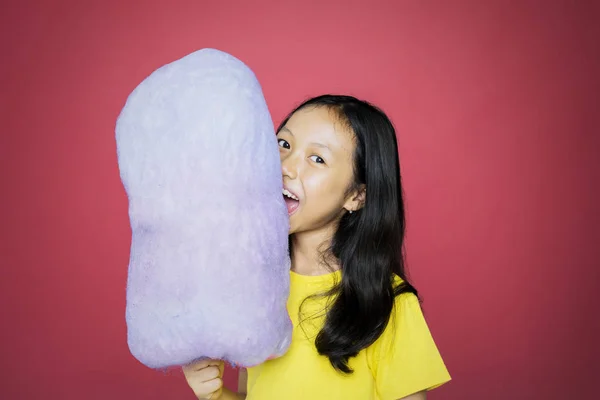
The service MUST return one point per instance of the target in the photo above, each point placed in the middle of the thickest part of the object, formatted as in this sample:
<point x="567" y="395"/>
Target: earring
<point x="350" y="211"/>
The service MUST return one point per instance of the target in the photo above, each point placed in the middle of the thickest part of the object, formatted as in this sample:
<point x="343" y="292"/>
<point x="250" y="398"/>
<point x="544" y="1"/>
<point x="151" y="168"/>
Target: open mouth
<point x="291" y="201"/>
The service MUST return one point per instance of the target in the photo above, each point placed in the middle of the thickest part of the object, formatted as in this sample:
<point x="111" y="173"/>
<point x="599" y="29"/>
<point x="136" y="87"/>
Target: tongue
<point x="291" y="204"/>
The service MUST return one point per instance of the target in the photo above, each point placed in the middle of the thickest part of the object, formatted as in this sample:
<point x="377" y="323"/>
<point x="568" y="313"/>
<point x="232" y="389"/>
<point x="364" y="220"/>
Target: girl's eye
<point x="317" y="159"/>
<point x="283" y="143"/>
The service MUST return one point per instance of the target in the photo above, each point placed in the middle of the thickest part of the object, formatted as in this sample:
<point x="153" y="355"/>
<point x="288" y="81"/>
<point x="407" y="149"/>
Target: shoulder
<point x="406" y="348"/>
<point x="406" y="314"/>
<point x="396" y="280"/>
<point x="406" y="321"/>
<point x="404" y="298"/>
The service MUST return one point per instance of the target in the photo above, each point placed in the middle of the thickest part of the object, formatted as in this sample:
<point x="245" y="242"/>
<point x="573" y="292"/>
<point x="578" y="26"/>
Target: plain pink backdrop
<point x="496" y="105"/>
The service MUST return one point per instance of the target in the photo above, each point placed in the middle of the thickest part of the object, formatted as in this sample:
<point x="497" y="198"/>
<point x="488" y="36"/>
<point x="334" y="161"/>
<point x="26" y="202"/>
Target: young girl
<point x="359" y="332"/>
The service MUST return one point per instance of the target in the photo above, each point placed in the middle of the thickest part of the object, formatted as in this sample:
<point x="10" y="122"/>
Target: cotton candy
<point x="208" y="273"/>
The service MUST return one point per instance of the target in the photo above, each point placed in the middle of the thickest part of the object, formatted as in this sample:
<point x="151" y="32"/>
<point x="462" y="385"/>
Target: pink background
<point x="496" y="105"/>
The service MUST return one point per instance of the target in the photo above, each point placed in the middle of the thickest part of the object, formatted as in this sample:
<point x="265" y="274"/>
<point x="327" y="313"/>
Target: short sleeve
<point x="405" y="359"/>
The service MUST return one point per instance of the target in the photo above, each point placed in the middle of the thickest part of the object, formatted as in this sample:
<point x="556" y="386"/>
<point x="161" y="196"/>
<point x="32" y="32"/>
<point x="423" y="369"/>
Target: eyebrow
<point x="323" y="146"/>
<point x="287" y="129"/>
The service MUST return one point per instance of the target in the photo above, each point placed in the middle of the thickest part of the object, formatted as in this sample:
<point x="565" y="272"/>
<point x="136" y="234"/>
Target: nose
<point x="289" y="167"/>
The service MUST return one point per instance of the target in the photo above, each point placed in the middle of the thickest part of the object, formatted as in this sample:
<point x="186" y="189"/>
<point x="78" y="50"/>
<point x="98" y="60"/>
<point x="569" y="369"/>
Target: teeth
<point x="288" y="194"/>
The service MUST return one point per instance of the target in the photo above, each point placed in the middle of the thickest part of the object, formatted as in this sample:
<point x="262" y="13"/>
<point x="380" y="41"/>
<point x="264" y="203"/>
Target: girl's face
<point x="316" y="153"/>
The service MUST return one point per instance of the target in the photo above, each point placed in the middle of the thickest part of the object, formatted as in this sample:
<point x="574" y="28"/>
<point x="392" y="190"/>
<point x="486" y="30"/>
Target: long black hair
<point x="369" y="243"/>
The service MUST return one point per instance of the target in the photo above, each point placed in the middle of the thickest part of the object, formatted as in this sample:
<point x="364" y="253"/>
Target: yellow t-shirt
<point x="404" y="359"/>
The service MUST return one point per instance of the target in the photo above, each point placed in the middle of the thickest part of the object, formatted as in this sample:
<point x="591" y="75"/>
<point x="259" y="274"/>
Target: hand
<point x="205" y="378"/>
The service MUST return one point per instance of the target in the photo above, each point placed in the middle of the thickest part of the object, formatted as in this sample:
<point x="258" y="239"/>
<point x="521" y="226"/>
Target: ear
<point x="356" y="200"/>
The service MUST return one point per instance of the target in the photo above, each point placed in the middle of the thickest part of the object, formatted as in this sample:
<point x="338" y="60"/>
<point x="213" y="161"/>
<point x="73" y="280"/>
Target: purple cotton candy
<point x="209" y="266"/>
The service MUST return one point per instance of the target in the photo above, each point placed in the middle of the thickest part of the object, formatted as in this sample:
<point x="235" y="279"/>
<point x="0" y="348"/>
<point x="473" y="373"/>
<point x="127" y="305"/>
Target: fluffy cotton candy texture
<point x="209" y="267"/>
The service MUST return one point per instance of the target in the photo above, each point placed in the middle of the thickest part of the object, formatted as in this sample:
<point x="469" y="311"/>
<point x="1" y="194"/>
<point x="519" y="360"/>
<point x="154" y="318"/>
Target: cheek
<point x="324" y="193"/>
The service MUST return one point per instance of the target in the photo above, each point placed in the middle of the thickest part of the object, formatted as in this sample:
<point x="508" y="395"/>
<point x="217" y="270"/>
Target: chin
<point x="293" y="224"/>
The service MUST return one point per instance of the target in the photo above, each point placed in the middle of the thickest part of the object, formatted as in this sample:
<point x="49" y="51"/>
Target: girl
<point x="359" y="332"/>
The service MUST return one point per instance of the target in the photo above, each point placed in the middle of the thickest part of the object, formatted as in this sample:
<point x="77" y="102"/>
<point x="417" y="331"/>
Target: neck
<point x="307" y="249"/>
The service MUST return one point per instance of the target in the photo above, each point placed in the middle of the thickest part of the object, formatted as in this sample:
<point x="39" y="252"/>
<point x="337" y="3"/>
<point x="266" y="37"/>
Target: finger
<point x="216" y="395"/>
<point x="198" y="365"/>
<point x="213" y="386"/>
<point x="207" y="374"/>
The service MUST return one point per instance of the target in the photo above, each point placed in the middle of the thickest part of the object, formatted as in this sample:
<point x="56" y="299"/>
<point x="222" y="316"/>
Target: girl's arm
<point x="242" y="380"/>
<point x="241" y="393"/>
<point x="229" y="395"/>
<point x="416" y="396"/>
